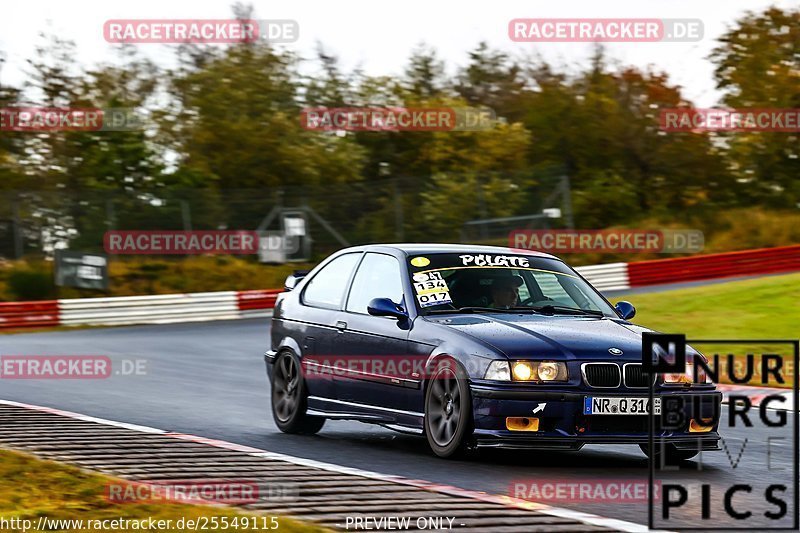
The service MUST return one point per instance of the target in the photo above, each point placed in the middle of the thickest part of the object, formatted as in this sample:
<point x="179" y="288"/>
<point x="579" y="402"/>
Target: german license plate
<point x="615" y="405"/>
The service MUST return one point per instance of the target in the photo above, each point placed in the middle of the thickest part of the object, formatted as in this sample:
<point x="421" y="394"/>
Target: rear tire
<point x="668" y="454"/>
<point x="290" y="398"/>
<point x="448" y="411"/>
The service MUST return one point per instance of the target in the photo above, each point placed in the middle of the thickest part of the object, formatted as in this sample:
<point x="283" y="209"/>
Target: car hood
<point x="558" y="336"/>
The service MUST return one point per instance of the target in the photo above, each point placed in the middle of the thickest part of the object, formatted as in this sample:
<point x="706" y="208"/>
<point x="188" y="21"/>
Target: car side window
<point x="551" y="288"/>
<point x="378" y="276"/>
<point x="523" y="291"/>
<point x="562" y="290"/>
<point x="327" y="287"/>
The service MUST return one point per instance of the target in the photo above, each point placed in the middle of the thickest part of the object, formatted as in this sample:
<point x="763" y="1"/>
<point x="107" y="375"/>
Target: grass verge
<point x="763" y="308"/>
<point x="31" y="488"/>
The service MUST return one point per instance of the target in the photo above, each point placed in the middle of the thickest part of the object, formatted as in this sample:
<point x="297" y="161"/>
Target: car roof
<point x="433" y="248"/>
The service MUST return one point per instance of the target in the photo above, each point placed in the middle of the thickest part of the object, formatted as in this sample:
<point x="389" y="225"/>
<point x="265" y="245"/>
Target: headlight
<point x="688" y="377"/>
<point x="522" y="370"/>
<point x="549" y="371"/>
<point x="537" y="371"/>
<point x="498" y="370"/>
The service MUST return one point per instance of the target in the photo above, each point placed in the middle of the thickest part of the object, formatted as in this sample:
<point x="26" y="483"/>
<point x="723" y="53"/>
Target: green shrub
<point x="27" y="284"/>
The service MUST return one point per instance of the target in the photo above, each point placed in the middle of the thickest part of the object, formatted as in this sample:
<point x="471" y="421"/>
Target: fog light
<point x="522" y="423"/>
<point x="701" y="427"/>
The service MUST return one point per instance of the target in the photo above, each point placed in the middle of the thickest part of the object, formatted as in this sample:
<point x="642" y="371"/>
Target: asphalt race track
<point x="208" y="379"/>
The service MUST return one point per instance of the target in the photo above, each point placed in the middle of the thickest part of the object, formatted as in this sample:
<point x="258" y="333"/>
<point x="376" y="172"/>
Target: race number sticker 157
<point x="431" y="289"/>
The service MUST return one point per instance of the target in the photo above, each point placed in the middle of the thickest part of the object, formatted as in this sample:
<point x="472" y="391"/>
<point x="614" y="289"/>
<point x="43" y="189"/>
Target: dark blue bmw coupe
<point x="472" y="346"/>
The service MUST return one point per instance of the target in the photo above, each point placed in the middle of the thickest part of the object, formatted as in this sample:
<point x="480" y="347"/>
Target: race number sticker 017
<point x="431" y="289"/>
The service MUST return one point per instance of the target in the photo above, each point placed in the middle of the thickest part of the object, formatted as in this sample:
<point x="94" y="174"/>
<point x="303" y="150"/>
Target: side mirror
<point x="290" y="283"/>
<point x="625" y="310"/>
<point x="386" y="307"/>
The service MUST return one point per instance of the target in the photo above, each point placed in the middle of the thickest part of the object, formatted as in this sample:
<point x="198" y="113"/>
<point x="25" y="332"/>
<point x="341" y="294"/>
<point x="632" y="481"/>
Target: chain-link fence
<point x="443" y="208"/>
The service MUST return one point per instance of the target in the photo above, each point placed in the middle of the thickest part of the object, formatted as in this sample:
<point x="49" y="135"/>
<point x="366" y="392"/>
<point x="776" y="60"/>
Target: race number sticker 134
<point x="431" y="289"/>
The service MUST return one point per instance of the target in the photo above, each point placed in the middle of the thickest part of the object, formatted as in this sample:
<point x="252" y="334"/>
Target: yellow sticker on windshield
<point x="420" y="261"/>
<point x="431" y="289"/>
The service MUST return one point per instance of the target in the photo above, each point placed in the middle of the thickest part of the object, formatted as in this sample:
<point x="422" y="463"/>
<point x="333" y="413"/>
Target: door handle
<point x="340" y="324"/>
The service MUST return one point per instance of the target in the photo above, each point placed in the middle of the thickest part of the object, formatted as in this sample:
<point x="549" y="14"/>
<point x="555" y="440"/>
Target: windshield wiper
<point x="566" y="310"/>
<point x="545" y="309"/>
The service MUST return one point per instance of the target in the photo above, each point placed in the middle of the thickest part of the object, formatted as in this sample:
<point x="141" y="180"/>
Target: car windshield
<point x="501" y="282"/>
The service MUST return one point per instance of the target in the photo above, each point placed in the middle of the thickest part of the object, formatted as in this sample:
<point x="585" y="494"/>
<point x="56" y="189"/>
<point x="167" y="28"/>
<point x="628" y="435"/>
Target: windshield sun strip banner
<point x="531" y="269"/>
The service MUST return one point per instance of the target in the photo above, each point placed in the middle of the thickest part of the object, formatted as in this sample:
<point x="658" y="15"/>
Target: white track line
<point x="85" y="418"/>
<point x="508" y="501"/>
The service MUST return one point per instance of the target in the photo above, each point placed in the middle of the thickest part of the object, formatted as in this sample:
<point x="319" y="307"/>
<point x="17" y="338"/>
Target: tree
<point x="758" y="66"/>
<point x="602" y="128"/>
<point x="491" y="79"/>
<point x="424" y="76"/>
<point x="11" y="144"/>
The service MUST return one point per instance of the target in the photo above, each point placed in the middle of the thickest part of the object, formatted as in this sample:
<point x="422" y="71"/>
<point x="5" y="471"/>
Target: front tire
<point x="290" y="398"/>
<point x="448" y="411"/>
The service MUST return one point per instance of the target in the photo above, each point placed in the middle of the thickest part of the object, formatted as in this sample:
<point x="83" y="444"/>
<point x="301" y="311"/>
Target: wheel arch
<point x="288" y="343"/>
<point x="433" y="360"/>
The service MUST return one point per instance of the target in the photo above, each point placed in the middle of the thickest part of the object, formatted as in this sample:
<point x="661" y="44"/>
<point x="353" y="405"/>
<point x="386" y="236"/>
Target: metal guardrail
<point x="29" y="314"/>
<point x="160" y="309"/>
<point x="157" y="309"/>
<point x="610" y="277"/>
<point x="228" y="305"/>
<point x="715" y="266"/>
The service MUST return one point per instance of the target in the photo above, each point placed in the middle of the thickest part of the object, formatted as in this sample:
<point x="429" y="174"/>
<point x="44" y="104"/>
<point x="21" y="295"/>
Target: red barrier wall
<point x="259" y="299"/>
<point x="29" y="314"/>
<point x="744" y="263"/>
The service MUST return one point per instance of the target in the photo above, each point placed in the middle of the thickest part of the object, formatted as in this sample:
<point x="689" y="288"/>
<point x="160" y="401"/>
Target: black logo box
<point x="679" y="364"/>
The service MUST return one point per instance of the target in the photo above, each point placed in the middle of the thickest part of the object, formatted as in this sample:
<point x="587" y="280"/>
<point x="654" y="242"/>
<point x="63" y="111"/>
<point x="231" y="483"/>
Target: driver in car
<point x="504" y="291"/>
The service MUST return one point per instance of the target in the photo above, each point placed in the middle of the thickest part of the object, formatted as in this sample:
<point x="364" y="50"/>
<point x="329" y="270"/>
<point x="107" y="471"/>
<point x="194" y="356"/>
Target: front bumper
<point x="562" y="424"/>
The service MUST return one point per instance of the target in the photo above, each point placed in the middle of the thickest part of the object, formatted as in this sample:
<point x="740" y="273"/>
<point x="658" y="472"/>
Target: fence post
<point x="186" y="214"/>
<point x="481" y="205"/>
<point x="567" y="201"/>
<point x="110" y="215"/>
<point x="18" y="244"/>
<point x="399" y="221"/>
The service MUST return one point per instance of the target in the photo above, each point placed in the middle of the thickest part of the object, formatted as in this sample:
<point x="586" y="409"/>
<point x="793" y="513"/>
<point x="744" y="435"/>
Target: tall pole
<point x="186" y="214"/>
<point x="18" y="244"/>
<point x="399" y="223"/>
<point x="566" y="192"/>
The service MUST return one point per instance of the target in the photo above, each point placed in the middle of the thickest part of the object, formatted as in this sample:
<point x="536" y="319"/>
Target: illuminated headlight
<point x="527" y="371"/>
<point x="538" y="371"/>
<point x="550" y="371"/>
<point x="688" y="375"/>
<point x="522" y="371"/>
